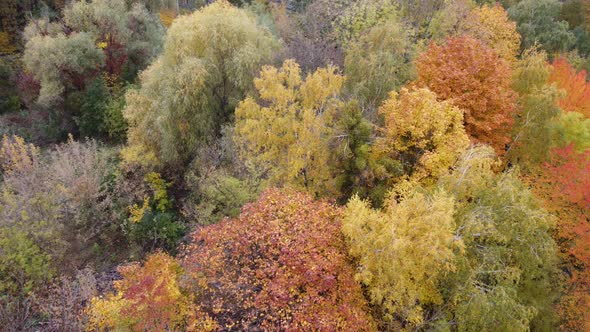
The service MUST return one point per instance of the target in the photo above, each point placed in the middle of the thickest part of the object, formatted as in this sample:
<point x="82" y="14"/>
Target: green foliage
<point x="379" y="61"/>
<point x="538" y="22"/>
<point x="155" y="224"/>
<point x="572" y="128"/>
<point x="24" y="267"/>
<point x="114" y="122"/>
<point x="92" y="109"/>
<point x="361" y="16"/>
<point x="51" y="57"/>
<point x="353" y="150"/>
<point x="208" y="65"/>
<point x="534" y="125"/>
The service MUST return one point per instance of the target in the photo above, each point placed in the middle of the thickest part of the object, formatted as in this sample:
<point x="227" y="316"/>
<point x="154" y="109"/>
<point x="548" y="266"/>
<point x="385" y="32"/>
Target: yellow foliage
<point x="491" y="25"/>
<point x="16" y="155"/>
<point x="6" y="45"/>
<point x="167" y="16"/>
<point x="148" y="298"/>
<point x="403" y="251"/>
<point x="137" y="212"/>
<point x="426" y="136"/>
<point x="288" y="131"/>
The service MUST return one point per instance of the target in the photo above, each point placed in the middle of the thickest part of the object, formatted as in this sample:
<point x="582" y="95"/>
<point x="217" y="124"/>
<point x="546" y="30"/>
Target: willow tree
<point x="209" y="62"/>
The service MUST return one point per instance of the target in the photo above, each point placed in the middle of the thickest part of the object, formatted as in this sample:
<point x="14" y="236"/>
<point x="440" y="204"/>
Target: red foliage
<point x="28" y="89"/>
<point x="567" y="191"/>
<point x="281" y="265"/>
<point x="115" y="57"/>
<point x="477" y="80"/>
<point x="577" y="98"/>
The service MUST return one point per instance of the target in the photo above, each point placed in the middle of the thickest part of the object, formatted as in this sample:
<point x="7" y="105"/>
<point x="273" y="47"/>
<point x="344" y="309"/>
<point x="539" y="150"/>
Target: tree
<point x="491" y="25"/>
<point x="403" y="252"/>
<point x="208" y="65"/>
<point x="148" y="298"/>
<point x="100" y="36"/>
<point x="288" y="129"/>
<point x="422" y="137"/>
<point x="472" y="252"/>
<point x="537" y="21"/>
<point x="280" y="265"/>
<point x="378" y="62"/>
<point x="577" y="89"/>
<point x="477" y="81"/>
<point x="534" y="127"/>
<point x="360" y="16"/>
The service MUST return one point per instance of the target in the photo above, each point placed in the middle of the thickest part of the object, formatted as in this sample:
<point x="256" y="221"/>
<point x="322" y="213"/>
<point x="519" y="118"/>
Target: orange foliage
<point x="477" y="80"/>
<point x="280" y="266"/>
<point x="565" y="186"/>
<point x="148" y="298"/>
<point x="577" y="98"/>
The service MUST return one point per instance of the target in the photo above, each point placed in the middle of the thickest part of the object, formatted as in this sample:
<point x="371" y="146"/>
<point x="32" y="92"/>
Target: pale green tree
<point x="210" y="59"/>
<point x="379" y="62"/>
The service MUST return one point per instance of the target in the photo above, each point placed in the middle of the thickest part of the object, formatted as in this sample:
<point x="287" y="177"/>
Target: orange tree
<point x="477" y="80"/>
<point x="565" y="185"/>
<point x="280" y="265"/>
<point x="577" y="90"/>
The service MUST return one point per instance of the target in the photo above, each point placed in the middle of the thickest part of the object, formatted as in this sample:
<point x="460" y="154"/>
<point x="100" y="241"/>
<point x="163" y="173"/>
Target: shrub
<point x="281" y="265"/>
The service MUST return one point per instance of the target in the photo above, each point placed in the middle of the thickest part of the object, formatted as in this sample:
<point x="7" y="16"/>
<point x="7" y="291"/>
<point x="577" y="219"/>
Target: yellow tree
<point x="491" y="25"/>
<point x="403" y="252"/>
<point x="287" y="130"/>
<point x="423" y="137"/>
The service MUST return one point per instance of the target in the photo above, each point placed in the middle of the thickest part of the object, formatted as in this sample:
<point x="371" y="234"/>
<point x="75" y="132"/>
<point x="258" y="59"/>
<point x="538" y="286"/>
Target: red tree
<point x="281" y="265"/>
<point x="477" y="80"/>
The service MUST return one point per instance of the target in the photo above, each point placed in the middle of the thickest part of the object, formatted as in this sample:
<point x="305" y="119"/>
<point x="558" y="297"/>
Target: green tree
<point x="379" y="61"/>
<point x="537" y="110"/>
<point x="538" y="22"/>
<point x="209" y="62"/>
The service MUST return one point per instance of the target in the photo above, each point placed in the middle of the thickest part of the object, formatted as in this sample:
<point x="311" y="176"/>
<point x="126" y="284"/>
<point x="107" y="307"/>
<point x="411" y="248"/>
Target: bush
<point x="281" y="265"/>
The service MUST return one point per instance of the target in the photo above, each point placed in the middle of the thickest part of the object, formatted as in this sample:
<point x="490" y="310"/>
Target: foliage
<point x="353" y="160"/>
<point x="363" y="15"/>
<point x="378" y="62"/>
<point x="404" y="252"/>
<point x="477" y="81"/>
<point x="287" y="130"/>
<point x="476" y="250"/>
<point x="105" y="36"/>
<point x="564" y="184"/>
<point x="65" y="302"/>
<point x="422" y="137"/>
<point x="24" y="267"/>
<point x="210" y="59"/>
<point x="538" y="22"/>
<point x="60" y="199"/>
<point x="281" y="265"/>
<point x="534" y="126"/>
<point x="154" y="224"/>
<point x="577" y="89"/>
<point x="148" y="298"/>
<point x="491" y="25"/>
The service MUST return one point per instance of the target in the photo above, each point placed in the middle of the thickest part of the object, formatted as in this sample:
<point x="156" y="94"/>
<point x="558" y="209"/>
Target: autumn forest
<point x="294" y="165"/>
